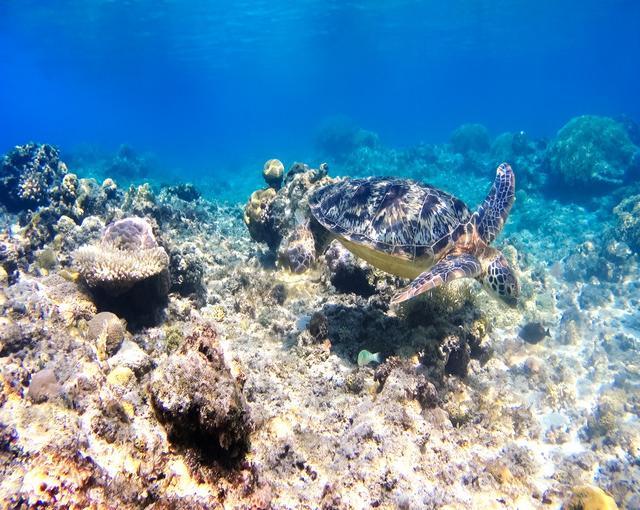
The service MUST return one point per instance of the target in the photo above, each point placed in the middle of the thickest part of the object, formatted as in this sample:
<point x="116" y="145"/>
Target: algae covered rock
<point x="592" y="153"/>
<point x="126" y="254"/>
<point x="44" y="386"/>
<point x="199" y="401"/>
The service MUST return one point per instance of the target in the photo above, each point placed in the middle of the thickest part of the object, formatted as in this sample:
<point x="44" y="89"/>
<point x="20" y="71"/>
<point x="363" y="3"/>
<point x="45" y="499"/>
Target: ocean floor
<point x="235" y="383"/>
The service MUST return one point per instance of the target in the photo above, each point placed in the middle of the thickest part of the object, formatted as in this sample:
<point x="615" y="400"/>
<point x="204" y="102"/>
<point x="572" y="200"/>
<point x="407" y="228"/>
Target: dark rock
<point x="185" y="191"/>
<point x="426" y="393"/>
<point x="279" y="293"/>
<point x="347" y="273"/>
<point x="457" y="354"/>
<point x="13" y="338"/>
<point x="382" y="372"/>
<point x="319" y="326"/>
<point x="199" y="401"/>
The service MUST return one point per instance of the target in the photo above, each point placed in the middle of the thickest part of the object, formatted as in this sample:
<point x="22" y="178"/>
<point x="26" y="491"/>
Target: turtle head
<point x="499" y="278"/>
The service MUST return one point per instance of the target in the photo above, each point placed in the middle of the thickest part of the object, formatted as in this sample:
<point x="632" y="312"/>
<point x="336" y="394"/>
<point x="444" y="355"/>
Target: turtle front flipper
<point x="449" y="268"/>
<point x="493" y="212"/>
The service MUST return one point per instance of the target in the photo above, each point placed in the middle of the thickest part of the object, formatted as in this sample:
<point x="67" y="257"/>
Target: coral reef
<point x="338" y="138"/>
<point x="127" y="164"/>
<point x="127" y="271"/>
<point x="592" y="154"/>
<point x="184" y="191"/>
<point x="526" y="157"/>
<point x="243" y="389"/>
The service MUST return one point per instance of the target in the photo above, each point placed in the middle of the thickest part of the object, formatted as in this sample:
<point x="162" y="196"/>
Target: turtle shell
<point x="399" y="217"/>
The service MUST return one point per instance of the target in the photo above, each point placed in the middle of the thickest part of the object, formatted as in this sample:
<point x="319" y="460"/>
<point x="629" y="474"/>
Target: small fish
<point x="533" y="332"/>
<point x="365" y="357"/>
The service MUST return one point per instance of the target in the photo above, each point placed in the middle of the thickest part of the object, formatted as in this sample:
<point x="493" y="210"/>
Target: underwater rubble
<point x="160" y="349"/>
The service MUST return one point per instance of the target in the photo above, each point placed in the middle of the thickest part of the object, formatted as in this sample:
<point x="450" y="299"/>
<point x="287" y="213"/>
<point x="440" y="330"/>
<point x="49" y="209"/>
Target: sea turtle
<point x="417" y="231"/>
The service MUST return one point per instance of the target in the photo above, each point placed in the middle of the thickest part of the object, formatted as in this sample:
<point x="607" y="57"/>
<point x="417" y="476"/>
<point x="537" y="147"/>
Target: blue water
<point x="216" y="84"/>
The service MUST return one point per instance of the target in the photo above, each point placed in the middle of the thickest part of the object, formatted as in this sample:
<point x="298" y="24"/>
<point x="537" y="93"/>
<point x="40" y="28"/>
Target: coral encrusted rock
<point x="27" y="175"/>
<point x="126" y="254"/>
<point x="199" y="401"/>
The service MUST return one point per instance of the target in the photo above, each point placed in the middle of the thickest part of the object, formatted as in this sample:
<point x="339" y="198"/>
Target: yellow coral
<point x="255" y="209"/>
<point x="272" y="173"/>
<point x="217" y="313"/>
<point x="70" y="185"/>
<point x="120" y="376"/>
<point x="589" y="497"/>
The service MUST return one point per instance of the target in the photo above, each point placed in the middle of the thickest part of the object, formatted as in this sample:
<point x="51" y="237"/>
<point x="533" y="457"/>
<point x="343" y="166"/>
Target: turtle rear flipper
<point x="449" y="268"/>
<point x="493" y="212"/>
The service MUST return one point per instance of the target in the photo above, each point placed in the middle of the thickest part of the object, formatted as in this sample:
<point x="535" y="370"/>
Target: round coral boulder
<point x="592" y="154"/>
